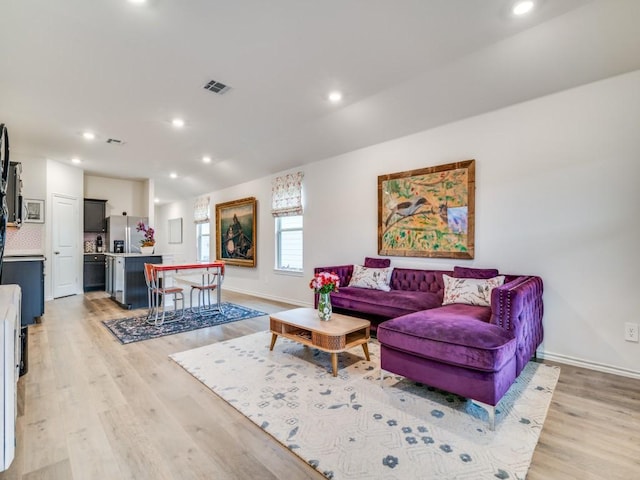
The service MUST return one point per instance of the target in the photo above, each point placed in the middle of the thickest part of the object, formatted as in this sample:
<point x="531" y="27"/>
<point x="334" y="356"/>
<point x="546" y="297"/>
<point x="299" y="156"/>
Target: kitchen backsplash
<point x="26" y="240"/>
<point x="90" y="243"/>
<point x="29" y="240"/>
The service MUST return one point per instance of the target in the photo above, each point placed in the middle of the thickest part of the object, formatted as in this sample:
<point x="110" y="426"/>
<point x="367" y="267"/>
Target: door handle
<point x="57" y="253"/>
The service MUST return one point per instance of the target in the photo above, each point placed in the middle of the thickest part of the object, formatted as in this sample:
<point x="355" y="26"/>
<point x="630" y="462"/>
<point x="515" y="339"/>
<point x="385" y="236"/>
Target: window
<point x="289" y="243"/>
<point x="202" y="234"/>
<point x="286" y="207"/>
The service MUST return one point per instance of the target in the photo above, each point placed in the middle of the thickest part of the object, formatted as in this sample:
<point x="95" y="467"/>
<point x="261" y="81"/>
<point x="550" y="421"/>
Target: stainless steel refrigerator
<point x="123" y="228"/>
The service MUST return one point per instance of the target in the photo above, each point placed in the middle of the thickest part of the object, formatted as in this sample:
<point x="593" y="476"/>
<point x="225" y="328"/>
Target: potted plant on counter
<point x="148" y="243"/>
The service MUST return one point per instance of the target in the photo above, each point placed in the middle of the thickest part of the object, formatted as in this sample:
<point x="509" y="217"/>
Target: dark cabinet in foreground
<point x="28" y="272"/>
<point x="94" y="272"/>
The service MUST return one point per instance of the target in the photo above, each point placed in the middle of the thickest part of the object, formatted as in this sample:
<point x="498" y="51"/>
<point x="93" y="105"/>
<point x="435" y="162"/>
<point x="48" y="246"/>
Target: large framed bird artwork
<point x="428" y="212"/>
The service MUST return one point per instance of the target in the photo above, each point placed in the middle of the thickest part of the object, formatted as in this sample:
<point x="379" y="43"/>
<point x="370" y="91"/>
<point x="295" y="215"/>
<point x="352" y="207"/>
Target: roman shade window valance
<point x="287" y="195"/>
<point x="201" y="210"/>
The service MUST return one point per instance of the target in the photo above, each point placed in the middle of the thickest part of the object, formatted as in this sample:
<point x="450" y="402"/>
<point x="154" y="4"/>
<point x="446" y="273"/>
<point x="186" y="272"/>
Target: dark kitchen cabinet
<point x="95" y="215"/>
<point x="94" y="272"/>
<point x="28" y="272"/>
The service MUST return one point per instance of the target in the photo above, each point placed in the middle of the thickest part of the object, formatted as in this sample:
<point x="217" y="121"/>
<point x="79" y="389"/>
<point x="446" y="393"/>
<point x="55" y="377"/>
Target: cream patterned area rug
<point x="354" y="427"/>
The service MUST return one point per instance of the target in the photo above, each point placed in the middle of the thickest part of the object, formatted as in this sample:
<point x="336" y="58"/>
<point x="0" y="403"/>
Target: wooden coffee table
<point x="302" y="325"/>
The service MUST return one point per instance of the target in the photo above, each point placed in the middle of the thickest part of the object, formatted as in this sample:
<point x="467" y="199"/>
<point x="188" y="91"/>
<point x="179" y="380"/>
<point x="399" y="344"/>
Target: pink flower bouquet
<point x="325" y="282"/>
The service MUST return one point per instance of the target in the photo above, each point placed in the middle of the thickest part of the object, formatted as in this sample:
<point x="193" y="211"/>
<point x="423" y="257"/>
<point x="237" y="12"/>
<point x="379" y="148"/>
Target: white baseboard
<point x="270" y="297"/>
<point x="579" y="362"/>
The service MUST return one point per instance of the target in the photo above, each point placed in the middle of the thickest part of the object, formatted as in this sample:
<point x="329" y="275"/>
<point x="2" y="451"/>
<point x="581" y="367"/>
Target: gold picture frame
<point x="236" y="232"/>
<point x="428" y="212"/>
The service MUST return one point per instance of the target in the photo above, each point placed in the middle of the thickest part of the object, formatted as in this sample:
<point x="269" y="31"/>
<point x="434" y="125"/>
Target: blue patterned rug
<point x="356" y="427"/>
<point x="136" y="329"/>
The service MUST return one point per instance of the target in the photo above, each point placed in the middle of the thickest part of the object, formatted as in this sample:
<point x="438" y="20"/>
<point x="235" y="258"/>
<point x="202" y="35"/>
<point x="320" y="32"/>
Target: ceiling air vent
<point x="217" y="87"/>
<point x="115" y="141"/>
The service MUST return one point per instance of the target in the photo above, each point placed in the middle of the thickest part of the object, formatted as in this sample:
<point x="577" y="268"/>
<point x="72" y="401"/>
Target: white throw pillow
<point x="471" y="291"/>
<point x="373" y="278"/>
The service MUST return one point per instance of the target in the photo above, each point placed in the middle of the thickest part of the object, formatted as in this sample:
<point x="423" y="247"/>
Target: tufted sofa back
<point x="418" y="280"/>
<point x="408" y="279"/>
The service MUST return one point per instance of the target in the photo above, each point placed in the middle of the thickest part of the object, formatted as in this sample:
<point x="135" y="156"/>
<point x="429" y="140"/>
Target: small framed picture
<point x="33" y="211"/>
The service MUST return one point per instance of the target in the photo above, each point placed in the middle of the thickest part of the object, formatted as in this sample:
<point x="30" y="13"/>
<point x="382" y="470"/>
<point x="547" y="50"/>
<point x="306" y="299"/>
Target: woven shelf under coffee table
<point x="337" y="335"/>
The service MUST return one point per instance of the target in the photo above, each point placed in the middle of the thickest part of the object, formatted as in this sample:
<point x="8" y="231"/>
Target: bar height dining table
<point x="164" y="270"/>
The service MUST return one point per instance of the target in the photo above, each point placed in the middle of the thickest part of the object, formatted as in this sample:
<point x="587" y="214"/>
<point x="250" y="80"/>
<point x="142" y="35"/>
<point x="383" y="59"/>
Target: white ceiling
<point x="124" y="71"/>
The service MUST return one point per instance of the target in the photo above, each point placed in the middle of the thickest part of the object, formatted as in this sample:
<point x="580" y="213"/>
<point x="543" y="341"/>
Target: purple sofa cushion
<point x="482" y="273"/>
<point x="384" y="304"/>
<point x="455" y="334"/>
<point x="370" y="262"/>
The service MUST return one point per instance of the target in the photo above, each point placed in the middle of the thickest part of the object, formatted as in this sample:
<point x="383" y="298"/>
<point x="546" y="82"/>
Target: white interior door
<point x="65" y="246"/>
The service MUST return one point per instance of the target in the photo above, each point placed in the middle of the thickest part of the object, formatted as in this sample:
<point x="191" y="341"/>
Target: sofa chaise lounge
<point x="476" y="351"/>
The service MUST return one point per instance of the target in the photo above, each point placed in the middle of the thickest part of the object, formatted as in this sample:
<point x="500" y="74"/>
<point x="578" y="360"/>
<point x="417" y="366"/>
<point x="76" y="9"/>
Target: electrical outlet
<point x="631" y="332"/>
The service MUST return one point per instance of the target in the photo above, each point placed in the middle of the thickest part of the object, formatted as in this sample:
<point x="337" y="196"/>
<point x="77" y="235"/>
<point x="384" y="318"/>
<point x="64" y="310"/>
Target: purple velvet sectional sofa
<point x="473" y="351"/>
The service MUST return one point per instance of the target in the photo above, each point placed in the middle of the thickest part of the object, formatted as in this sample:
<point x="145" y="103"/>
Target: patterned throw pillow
<point x="471" y="291"/>
<point x="373" y="278"/>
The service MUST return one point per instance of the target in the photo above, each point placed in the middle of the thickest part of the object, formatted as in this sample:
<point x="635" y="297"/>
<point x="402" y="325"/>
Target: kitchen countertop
<point x="23" y="258"/>
<point x="132" y="254"/>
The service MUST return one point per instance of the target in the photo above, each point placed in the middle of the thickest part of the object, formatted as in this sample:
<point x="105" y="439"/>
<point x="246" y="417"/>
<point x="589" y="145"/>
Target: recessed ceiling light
<point x="206" y="159"/>
<point x="137" y="1"/>
<point x="335" y="97"/>
<point x="76" y="160"/>
<point x="522" y="8"/>
<point x="156" y="200"/>
<point x="177" y="122"/>
<point x="89" y="135"/>
<point x="173" y="175"/>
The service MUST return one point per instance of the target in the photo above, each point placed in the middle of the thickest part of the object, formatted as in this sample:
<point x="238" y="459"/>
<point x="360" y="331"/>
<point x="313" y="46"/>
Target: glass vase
<point x="324" y="306"/>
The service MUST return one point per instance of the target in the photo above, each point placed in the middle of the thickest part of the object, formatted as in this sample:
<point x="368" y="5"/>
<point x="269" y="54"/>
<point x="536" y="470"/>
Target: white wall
<point x="34" y="178"/>
<point x="557" y="196"/>
<point x="122" y="195"/>
<point x="180" y="252"/>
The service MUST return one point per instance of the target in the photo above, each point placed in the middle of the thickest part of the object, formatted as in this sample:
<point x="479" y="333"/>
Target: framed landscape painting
<point x="428" y="212"/>
<point x="236" y="232"/>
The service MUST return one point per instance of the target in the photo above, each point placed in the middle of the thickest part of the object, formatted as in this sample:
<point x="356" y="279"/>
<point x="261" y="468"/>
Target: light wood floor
<point x="91" y="408"/>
